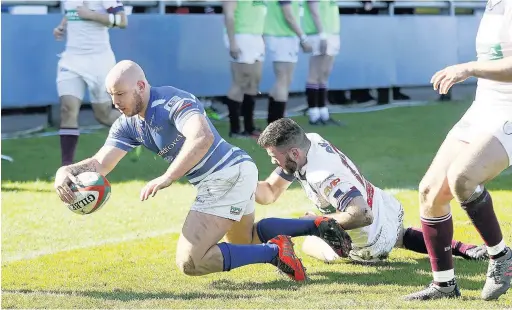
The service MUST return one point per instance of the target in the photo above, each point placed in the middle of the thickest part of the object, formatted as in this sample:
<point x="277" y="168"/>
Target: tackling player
<point x="172" y="123"/>
<point x="372" y="218"/>
<point x="283" y="36"/>
<point x="322" y="25"/>
<point x="476" y="150"/>
<point x="85" y="62"/>
<point x="244" y="22"/>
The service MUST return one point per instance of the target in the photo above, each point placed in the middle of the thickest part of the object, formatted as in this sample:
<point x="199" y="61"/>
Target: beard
<point x="137" y="108"/>
<point x="290" y="166"/>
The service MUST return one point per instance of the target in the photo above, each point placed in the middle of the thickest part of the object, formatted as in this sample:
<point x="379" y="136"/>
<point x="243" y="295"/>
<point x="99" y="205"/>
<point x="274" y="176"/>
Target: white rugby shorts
<point x="388" y="229"/>
<point x="486" y="117"/>
<point x="252" y="48"/>
<point x="229" y="192"/>
<point x="283" y="49"/>
<point x="76" y="72"/>
<point x="333" y="44"/>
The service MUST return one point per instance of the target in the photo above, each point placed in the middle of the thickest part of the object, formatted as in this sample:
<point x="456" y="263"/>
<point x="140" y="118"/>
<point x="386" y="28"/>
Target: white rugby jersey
<point x="331" y="180"/>
<point x="494" y="41"/>
<point x="84" y="36"/>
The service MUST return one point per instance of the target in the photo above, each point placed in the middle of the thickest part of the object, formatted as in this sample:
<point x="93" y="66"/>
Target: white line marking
<point x="129" y="237"/>
<point x="139" y="236"/>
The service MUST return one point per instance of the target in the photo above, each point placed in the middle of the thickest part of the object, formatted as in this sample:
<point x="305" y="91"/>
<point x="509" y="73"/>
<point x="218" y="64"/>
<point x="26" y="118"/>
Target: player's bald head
<point x="125" y="73"/>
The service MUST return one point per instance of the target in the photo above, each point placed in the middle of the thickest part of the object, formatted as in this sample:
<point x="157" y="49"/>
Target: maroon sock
<point x="481" y="213"/>
<point x="459" y="248"/>
<point x="438" y="235"/>
<point x="413" y="241"/>
<point x="68" y="142"/>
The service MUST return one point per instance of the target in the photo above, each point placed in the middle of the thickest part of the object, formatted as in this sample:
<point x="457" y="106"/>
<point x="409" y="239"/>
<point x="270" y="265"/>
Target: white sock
<point x="314" y="114"/>
<point x="497" y="249"/>
<point x="324" y="113"/>
<point x="444" y="276"/>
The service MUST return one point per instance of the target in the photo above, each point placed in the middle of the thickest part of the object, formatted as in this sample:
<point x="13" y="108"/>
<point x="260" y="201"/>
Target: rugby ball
<point x="92" y="192"/>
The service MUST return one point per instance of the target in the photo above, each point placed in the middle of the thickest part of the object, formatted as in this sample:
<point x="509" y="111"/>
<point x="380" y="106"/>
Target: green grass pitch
<point x="123" y="256"/>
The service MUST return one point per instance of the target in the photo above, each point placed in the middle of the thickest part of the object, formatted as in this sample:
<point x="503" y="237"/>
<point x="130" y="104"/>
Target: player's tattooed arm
<point x="86" y="165"/>
<point x="357" y="214"/>
<point x="102" y="162"/>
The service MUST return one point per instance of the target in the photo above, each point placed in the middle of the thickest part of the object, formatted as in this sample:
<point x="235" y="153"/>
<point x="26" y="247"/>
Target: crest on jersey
<point x="507" y="128"/>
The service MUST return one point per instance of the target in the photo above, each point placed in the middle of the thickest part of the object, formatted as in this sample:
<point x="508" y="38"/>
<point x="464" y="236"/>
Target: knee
<point x="430" y="192"/>
<point x="236" y="92"/>
<point x="68" y="115"/>
<point x="461" y="184"/>
<point x="186" y="265"/>
<point x="104" y="116"/>
<point x="68" y="111"/>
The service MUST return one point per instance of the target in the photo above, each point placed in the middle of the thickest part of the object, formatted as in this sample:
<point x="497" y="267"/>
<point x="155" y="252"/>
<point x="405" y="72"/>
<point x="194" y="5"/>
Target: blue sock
<point x="238" y="255"/>
<point x="272" y="227"/>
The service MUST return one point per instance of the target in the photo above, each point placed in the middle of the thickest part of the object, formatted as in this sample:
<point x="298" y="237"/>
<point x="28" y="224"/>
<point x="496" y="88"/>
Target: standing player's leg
<point x="71" y="90"/>
<point x="333" y="48"/>
<point x="101" y="102"/>
<point x="257" y="48"/>
<point x="104" y="113"/>
<point x="242" y="72"/>
<point x="484" y="159"/>
<point x="327" y="65"/>
<point x="412" y="239"/>
<point x="236" y="96"/>
<point x="436" y="221"/>
<point x="312" y="91"/>
<point x="278" y="96"/>
<point x="284" y="54"/>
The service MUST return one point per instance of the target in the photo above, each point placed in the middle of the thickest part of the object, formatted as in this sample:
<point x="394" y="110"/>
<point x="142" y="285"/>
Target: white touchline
<point x="138" y="236"/>
<point x="125" y="238"/>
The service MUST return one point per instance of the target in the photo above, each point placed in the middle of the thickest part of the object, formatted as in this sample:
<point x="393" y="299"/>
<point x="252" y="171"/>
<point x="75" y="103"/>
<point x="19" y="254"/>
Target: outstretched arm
<point x="114" y="17"/>
<point x="496" y="70"/>
<point x="270" y="190"/>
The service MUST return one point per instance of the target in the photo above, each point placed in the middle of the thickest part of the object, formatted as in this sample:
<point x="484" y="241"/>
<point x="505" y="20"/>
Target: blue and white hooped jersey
<point x="160" y="131"/>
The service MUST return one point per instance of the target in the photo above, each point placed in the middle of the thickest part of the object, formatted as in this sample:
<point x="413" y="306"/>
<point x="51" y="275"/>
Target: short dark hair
<point x="283" y="133"/>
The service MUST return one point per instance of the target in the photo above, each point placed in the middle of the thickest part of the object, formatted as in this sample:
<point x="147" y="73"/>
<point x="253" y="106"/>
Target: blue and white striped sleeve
<point x="280" y="172"/>
<point x="182" y="110"/>
<point x="121" y="137"/>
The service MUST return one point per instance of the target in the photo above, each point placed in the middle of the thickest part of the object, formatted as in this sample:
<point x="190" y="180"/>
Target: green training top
<point x="275" y="23"/>
<point x="329" y="16"/>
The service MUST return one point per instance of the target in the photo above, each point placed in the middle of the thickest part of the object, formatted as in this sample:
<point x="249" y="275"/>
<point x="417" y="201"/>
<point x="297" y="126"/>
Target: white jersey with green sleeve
<point x="85" y="36"/>
<point x="494" y="41"/>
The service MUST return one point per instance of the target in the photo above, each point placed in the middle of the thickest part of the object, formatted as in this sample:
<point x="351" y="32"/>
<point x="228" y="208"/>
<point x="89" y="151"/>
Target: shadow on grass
<point x="390" y="273"/>
<point x="122" y="295"/>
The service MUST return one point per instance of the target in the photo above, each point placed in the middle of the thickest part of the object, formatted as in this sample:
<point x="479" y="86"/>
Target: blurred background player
<point x="85" y="62"/>
<point x="244" y="21"/>
<point x="282" y="36"/>
<point x="321" y="23"/>
<point x="372" y="217"/>
<point x="476" y="150"/>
